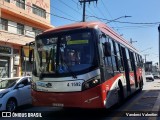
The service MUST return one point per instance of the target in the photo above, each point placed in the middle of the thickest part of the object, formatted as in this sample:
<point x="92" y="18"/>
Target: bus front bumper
<point x="90" y="98"/>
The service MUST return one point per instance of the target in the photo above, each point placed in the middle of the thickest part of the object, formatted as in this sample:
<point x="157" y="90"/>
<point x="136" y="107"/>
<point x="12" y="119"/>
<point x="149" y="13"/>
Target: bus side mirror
<point x="107" y="49"/>
<point x="30" y="56"/>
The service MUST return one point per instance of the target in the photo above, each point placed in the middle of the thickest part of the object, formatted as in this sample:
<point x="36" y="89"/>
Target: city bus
<point x="84" y="65"/>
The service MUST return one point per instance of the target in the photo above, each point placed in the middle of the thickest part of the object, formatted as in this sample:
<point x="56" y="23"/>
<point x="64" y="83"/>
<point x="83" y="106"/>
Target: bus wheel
<point x="120" y="92"/>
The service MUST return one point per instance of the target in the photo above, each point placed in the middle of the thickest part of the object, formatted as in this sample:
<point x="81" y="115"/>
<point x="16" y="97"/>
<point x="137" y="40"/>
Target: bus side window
<point x="108" y="59"/>
<point x="118" y="57"/>
<point x="134" y="55"/>
<point x="141" y="61"/>
<point x="128" y="59"/>
<point x="113" y="59"/>
<point x="132" y="60"/>
<point x="121" y="56"/>
<point x="138" y="62"/>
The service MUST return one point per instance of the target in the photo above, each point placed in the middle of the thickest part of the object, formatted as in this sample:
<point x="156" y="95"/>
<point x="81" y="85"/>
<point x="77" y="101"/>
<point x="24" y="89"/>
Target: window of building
<point x="37" y="31"/>
<point x="7" y="1"/>
<point x="20" y="29"/>
<point x="20" y="3"/>
<point x="39" y="11"/>
<point x="3" y="24"/>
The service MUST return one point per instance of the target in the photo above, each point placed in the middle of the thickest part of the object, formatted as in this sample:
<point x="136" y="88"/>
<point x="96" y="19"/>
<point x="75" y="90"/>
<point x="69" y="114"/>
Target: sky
<point x="141" y="26"/>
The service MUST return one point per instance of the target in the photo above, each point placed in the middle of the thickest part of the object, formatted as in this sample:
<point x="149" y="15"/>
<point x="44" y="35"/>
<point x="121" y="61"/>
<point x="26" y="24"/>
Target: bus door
<point x="134" y="68"/>
<point x="126" y="68"/>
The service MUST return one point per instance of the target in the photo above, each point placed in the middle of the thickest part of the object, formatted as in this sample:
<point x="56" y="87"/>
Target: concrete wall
<point x="15" y="15"/>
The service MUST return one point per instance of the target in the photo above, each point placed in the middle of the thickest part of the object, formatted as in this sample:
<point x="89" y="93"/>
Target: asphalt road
<point x="141" y="103"/>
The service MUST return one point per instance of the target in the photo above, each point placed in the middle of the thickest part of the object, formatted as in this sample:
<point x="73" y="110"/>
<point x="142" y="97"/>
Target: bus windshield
<point x="66" y="52"/>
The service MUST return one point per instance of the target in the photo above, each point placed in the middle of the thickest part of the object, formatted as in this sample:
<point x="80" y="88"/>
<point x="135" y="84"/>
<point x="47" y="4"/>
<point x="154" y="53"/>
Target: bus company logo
<point x="46" y="85"/>
<point x="49" y="85"/>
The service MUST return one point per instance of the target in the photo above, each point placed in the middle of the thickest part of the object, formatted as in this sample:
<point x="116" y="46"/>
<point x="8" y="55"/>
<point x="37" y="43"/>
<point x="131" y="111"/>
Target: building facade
<point x="20" y="22"/>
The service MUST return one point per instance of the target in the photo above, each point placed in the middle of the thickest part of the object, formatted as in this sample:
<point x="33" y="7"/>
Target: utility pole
<point x="131" y="41"/>
<point x="84" y="7"/>
<point x="145" y="57"/>
<point x="159" y="45"/>
<point x="145" y="66"/>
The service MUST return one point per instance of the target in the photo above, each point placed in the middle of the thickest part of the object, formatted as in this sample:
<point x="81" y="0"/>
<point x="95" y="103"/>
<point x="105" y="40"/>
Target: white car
<point x="156" y="75"/>
<point x="15" y="92"/>
<point x="149" y="76"/>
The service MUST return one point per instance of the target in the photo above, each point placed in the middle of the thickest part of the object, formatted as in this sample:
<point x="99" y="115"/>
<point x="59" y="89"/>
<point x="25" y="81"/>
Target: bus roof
<point x="103" y="27"/>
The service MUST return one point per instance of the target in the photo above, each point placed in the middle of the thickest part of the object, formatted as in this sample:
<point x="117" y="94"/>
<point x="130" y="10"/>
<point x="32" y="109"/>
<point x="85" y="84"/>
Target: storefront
<point x="26" y="65"/>
<point x="5" y="61"/>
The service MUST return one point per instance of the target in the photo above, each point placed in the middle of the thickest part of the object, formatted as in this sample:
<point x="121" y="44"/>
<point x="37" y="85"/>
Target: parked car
<point x="156" y="75"/>
<point x="149" y="76"/>
<point x="15" y="92"/>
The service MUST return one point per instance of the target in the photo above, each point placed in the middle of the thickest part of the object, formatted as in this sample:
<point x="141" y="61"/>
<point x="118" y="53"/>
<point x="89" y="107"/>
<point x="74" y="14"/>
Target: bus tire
<point x="120" y="92"/>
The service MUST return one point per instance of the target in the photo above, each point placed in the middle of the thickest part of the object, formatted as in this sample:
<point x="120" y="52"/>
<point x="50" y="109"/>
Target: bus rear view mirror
<point x="107" y="49"/>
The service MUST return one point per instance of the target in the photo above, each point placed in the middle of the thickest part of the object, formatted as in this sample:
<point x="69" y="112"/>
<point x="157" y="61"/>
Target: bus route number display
<point x="73" y="84"/>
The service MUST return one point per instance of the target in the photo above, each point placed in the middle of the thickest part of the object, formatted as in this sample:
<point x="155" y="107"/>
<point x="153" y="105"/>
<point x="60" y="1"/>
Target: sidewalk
<point x="147" y="106"/>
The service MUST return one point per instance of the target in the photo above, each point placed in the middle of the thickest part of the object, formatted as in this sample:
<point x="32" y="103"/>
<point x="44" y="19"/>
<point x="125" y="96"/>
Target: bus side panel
<point x="111" y="87"/>
<point x="91" y="98"/>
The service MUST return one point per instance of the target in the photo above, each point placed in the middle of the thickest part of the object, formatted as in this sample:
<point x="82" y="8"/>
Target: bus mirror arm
<point x="107" y="49"/>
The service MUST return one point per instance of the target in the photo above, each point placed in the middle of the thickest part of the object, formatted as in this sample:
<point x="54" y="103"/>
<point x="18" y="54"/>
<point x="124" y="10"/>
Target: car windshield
<point x="65" y="53"/>
<point x="7" y="83"/>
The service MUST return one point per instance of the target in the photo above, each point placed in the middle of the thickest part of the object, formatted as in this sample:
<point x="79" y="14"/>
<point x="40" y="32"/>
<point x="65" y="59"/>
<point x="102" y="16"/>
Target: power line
<point x="140" y="23"/>
<point x="92" y="15"/>
<point x="74" y="2"/>
<point x="104" y="5"/>
<point x="100" y="11"/>
<point x="98" y="17"/>
<point x="65" y="13"/>
<point x="149" y="23"/>
<point x="69" y="7"/>
<point x="134" y="27"/>
<point x="63" y="17"/>
<point x="84" y="7"/>
<point x="106" y="9"/>
<point x="45" y="12"/>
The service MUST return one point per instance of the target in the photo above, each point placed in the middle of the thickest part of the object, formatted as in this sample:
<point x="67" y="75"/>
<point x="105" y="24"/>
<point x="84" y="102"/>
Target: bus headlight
<point x="90" y="83"/>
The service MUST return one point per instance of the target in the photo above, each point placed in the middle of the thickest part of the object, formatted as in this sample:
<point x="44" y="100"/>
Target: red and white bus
<point x="84" y="65"/>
